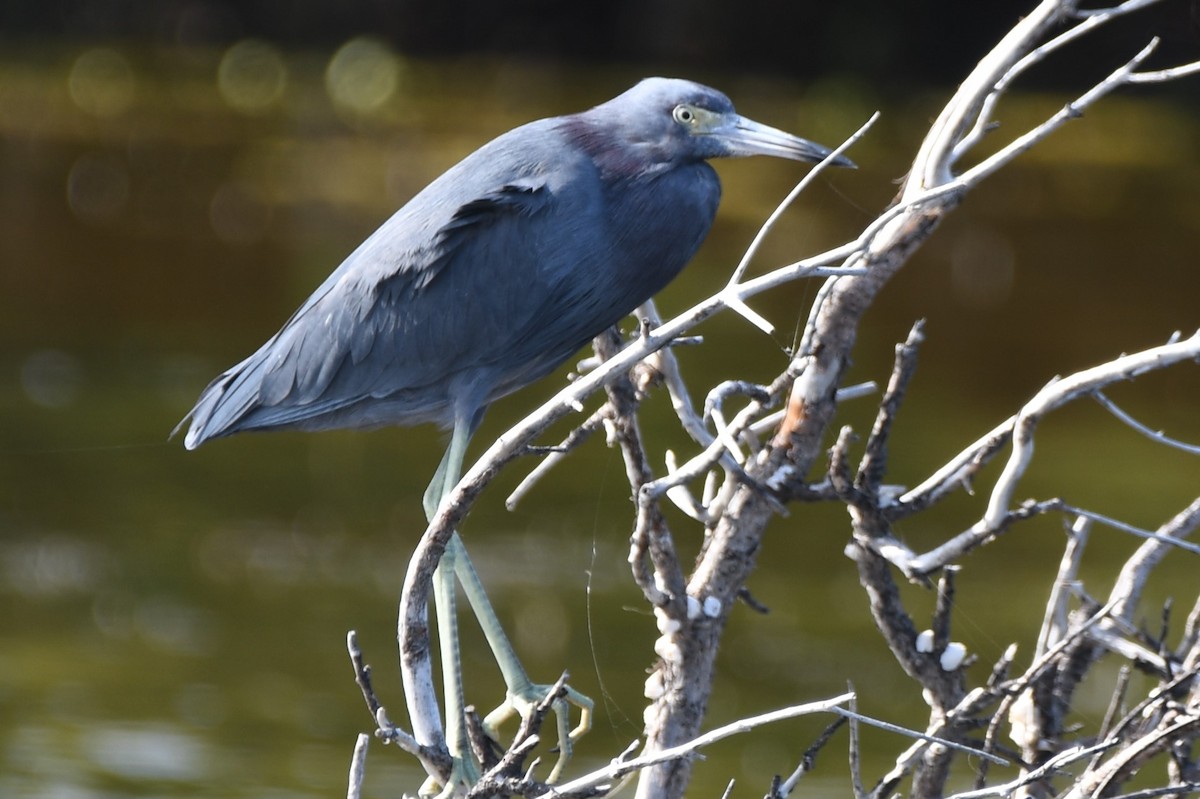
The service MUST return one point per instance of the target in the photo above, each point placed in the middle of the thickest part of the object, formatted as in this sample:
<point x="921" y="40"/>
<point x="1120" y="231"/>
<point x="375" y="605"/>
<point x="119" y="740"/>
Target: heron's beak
<point x="746" y="137"/>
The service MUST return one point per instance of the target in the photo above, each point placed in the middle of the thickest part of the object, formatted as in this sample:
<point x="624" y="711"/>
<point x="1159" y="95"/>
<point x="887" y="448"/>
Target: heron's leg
<point x="464" y="770"/>
<point x="445" y="478"/>
<point x="522" y="694"/>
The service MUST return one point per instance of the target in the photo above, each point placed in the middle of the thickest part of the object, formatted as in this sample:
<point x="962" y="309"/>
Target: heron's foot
<point x="524" y="702"/>
<point x="463" y="776"/>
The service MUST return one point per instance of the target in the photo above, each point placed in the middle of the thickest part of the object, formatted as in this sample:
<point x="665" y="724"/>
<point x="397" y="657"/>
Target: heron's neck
<point x="618" y="158"/>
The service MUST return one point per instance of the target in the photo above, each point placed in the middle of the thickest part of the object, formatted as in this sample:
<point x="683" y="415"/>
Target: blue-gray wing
<point x="487" y="280"/>
<point x="411" y="323"/>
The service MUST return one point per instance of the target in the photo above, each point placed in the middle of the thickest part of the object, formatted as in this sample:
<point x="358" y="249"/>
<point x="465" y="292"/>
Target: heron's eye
<point x="684" y="115"/>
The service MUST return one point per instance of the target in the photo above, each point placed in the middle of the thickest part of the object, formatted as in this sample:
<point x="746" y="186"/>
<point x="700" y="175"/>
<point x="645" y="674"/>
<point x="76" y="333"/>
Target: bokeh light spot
<point x="102" y="82"/>
<point x="362" y="75"/>
<point x="52" y="565"/>
<point x="252" y="76"/>
<point x="147" y="752"/>
<point x="174" y="626"/>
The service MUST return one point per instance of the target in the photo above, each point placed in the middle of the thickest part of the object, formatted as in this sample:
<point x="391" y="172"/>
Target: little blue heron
<point x="487" y="280"/>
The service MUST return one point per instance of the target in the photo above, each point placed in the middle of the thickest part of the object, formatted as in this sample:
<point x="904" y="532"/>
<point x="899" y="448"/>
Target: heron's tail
<point x="223" y="405"/>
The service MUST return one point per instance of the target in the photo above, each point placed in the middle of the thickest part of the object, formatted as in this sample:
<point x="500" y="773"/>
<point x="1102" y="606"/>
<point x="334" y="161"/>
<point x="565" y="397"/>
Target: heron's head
<point x="679" y="121"/>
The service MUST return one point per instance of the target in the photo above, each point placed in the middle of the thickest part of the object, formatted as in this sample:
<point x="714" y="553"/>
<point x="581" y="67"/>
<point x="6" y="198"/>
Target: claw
<point x="524" y="701"/>
<point x="463" y="776"/>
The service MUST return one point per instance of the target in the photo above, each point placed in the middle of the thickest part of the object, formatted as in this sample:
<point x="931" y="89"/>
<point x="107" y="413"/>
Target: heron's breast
<point x="658" y="225"/>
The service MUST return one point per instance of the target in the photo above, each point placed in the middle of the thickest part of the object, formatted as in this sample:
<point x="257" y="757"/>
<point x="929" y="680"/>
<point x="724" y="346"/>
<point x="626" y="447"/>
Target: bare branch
<point x="746" y="479"/>
<point x="1054" y="622"/>
<point x="1132" y="580"/>
<point x="740" y="270"/>
<point x="1125" y="763"/>
<point x="1049" y="768"/>
<point x="935" y="159"/>
<point x="1124" y="527"/>
<point x="358" y="765"/>
<point x="1183" y="789"/>
<point x="617" y="769"/>
<point x="1154" y="435"/>
<point x="808" y="760"/>
<point x="432" y="758"/>
<point x="1058" y="393"/>
<point x="957" y="473"/>
<point x="874" y="461"/>
<point x="855" y="756"/>
<point x="552" y="459"/>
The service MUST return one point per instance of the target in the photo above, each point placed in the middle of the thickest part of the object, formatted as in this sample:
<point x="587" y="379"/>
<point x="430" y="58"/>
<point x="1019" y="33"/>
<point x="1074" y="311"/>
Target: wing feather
<point x="487" y="280"/>
<point x="386" y="324"/>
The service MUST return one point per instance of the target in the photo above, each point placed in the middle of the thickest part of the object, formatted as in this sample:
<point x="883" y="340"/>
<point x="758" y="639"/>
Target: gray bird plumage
<point x="500" y="269"/>
<point x="485" y="281"/>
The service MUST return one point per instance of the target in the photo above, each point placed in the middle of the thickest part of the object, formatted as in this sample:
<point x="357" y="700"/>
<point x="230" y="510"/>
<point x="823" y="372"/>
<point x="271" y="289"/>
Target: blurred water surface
<point x="173" y="622"/>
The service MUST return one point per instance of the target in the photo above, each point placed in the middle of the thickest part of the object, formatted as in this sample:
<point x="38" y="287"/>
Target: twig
<point x="358" y="766"/>
<point x="1124" y="763"/>
<point x="617" y="769"/>
<point x="1054" y="621"/>
<point x="1163" y="75"/>
<point x="677" y="390"/>
<point x="809" y="759"/>
<point x="1017" y="687"/>
<point x="1161" y="693"/>
<point x="944" y="609"/>
<point x="978" y="534"/>
<point x="1124" y="75"/>
<point x="387" y="731"/>
<point x="922" y="736"/>
<point x="1051" y="766"/>
<point x="1156" y="436"/>
<point x="1092" y="18"/>
<point x="1170" y="790"/>
<point x="957" y="473"/>
<point x="1127" y="589"/>
<point x="855" y="756"/>
<point x="874" y="461"/>
<point x="1117" y="524"/>
<point x="1115" y="702"/>
<point x="935" y="159"/>
<point x="508" y="774"/>
<point x="573" y="439"/>
<point x="1059" y="392"/>
<point x="839" y="467"/>
<point x="752" y="250"/>
<point x="1188" y="651"/>
<point x="614" y="770"/>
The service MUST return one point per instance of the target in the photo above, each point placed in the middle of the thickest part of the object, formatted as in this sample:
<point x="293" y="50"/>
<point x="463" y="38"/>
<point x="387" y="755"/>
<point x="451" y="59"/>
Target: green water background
<point x="172" y="623"/>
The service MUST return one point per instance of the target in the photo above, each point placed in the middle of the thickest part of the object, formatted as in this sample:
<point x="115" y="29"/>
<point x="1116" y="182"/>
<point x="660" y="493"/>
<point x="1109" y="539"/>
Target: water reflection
<point x="173" y="622"/>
